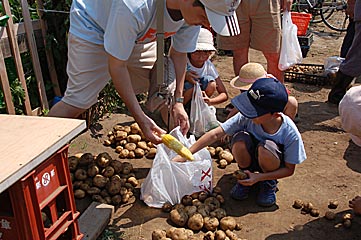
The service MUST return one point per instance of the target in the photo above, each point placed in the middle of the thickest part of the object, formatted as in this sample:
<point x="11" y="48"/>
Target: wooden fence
<point x="15" y="39"/>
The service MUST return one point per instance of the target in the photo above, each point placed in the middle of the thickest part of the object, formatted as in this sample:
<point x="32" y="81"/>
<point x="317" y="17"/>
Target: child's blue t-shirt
<point x="120" y="24"/>
<point x="287" y="135"/>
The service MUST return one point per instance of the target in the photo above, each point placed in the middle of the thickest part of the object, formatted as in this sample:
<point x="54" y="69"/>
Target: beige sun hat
<point x="205" y="41"/>
<point x="248" y="74"/>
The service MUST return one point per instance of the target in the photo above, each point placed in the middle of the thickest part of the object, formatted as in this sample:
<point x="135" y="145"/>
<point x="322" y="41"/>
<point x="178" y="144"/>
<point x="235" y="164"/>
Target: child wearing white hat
<point x="200" y="69"/>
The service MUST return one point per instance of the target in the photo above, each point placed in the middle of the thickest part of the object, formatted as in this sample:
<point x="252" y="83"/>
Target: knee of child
<point x="266" y="160"/>
<point x="211" y="88"/>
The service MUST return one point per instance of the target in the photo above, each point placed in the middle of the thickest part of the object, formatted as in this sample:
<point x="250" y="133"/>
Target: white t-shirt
<point x="208" y="69"/>
<point x="287" y="135"/>
<point x="120" y="24"/>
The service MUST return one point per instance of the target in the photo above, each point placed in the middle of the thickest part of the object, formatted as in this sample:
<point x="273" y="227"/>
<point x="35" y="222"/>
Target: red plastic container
<point x="301" y="20"/>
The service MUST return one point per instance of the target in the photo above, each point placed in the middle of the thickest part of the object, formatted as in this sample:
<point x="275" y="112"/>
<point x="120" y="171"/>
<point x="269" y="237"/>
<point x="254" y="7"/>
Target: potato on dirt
<point x="346" y="216"/>
<point x="298" y="203"/>
<point x="186" y="200"/>
<point x="134" y="138"/>
<point x="93" y="170"/>
<point x="131" y="155"/>
<point x="220" y="235"/>
<point x="117" y="199"/>
<point x="118" y="128"/>
<point x="130" y="146"/>
<point x="347" y="223"/>
<point x="333" y="204"/>
<point x="151" y="153"/>
<point x="212" y="151"/>
<point x="113" y="187"/>
<point x="211" y="223"/>
<point x="179" y="233"/>
<point x="202" y="196"/>
<point x="226" y="155"/>
<point x="119" y="148"/>
<point x="108" y="171"/>
<point x="86" y="159"/>
<point x="222" y="163"/>
<point x="124" y="153"/>
<point x="143" y="145"/>
<point x="133" y="181"/>
<point x="139" y="152"/>
<point x="134" y="128"/>
<point x="314" y="212"/>
<point x="120" y="135"/>
<point x="100" y="181"/>
<point x="209" y="235"/>
<point x="228" y="222"/>
<point x="167" y="207"/>
<point x="73" y="163"/>
<point x="219" y="213"/>
<point x="117" y="165"/>
<point x="195" y="222"/>
<point x="231" y="235"/>
<point x="212" y="203"/>
<point x="80" y="174"/>
<point x="307" y="207"/>
<point x="103" y="159"/>
<point x="158" y="234"/>
<point x="329" y="215"/>
<point x="179" y="217"/>
<point x="98" y="198"/>
<point x="93" y="190"/>
<point x="190" y="210"/>
<point x="79" y="193"/>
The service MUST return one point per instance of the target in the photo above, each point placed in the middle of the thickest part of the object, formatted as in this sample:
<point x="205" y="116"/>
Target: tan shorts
<point x="260" y="23"/>
<point x="88" y="70"/>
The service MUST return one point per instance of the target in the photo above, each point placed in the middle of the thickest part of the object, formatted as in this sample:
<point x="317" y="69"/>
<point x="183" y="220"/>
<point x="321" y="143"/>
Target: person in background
<point x="260" y="23"/>
<point x="249" y="73"/>
<point x="350" y="32"/>
<point x="200" y="69"/>
<point x="115" y="40"/>
<point x="265" y="143"/>
<point x="350" y="67"/>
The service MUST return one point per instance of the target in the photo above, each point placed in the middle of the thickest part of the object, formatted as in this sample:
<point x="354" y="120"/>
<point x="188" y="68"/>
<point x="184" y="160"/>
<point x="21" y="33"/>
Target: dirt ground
<point x="331" y="171"/>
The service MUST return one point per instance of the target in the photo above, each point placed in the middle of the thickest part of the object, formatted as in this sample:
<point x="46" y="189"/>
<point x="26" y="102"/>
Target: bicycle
<point x="331" y="12"/>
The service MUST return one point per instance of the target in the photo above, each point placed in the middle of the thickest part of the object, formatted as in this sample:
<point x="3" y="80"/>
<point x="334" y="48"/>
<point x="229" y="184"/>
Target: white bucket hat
<point x="222" y="16"/>
<point x="205" y="41"/>
<point x="350" y="113"/>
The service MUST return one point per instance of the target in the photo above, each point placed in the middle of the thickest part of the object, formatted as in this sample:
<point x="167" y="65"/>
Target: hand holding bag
<point x="290" y="53"/>
<point x="169" y="181"/>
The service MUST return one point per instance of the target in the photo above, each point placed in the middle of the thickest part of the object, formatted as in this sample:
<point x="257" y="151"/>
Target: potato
<point x="131" y="155"/>
<point x="298" y="203"/>
<point x="151" y="153"/>
<point x="347" y="223"/>
<point x="220" y="198"/>
<point x="202" y="196"/>
<point x="103" y="159"/>
<point x="113" y="187"/>
<point x="125" y="198"/>
<point x="211" y="223"/>
<point x="79" y="193"/>
<point x="203" y="210"/>
<point x="86" y="159"/>
<point x="130" y="146"/>
<point x="212" y="203"/>
<point x="107" y="142"/>
<point x="333" y="204"/>
<point x="179" y="233"/>
<point x="133" y="181"/>
<point x="120" y="135"/>
<point x="158" y="234"/>
<point x="314" y="212"/>
<point x="123" y="190"/>
<point x="196" y="202"/>
<point x="100" y="181"/>
<point x="93" y="170"/>
<point x="190" y="210"/>
<point x="139" y="153"/>
<point x="222" y="163"/>
<point x="329" y="215"/>
<point x="228" y="222"/>
<point x="108" y="171"/>
<point x="124" y="153"/>
<point x="119" y="148"/>
<point x="134" y="128"/>
<point x="73" y="163"/>
<point x="108" y="199"/>
<point x="226" y="155"/>
<point x="134" y="138"/>
<point x="77" y="184"/>
<point x="104" y="193"/>
<point x="84" y="186"/>
<point x="93" y="190"/>
<point x="231" y="235"/>
<point x="126" y="169"/>
<point x="117" y="199"/>
<point x="178" y="217"/>
<point x="240" y="175"/>
<point x="98" y="198"/>
<point x="212" y="151"/>
<point x="143" y="145"/>
<point x="218" y="150"/>
<point x="346" y="216"/>
<point x="209" y="235"/>
<point x="195" y="222"/>
<point x="80" y="174"/>
<point x="220" y="235"/>
<point x="186" y="200"/>
<point x="117" y="165"/>
<point x="307" y="207"/>
<point x="118" y="128"/>
<point x="167" y="207"/>
<point x="219" y="213"/>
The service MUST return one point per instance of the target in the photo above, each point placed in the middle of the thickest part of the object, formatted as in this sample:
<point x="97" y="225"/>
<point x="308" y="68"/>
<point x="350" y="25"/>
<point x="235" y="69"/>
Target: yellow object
<point x="172" y="143"/>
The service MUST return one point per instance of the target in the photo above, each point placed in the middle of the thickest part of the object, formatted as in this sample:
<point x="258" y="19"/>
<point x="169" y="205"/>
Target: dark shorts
<point x="252" y="145"/>
<point x="203" y="82"/>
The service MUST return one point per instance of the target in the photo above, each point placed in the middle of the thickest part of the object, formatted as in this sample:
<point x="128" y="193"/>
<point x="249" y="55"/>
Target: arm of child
<point x="207" y="139"/>
<point x="254" y="177"/>
<point x="222" y="94"/>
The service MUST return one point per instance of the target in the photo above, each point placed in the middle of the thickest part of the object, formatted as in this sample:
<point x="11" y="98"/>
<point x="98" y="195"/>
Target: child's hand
<point x="206" y="98"/>
<point x="179" y="158"/>
<point x="191" y="76"/>
<point x="355" y="204"/>
<point x="252" y="179"/>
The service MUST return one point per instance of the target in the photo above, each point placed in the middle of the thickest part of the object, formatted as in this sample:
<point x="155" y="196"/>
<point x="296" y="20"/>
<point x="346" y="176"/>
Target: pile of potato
<point x="222" y="156"/>
<point x="199" y="213"/>
<point x="129" y="142"/>
<point x="306" y="69"/>
<point x="104" y="179"/>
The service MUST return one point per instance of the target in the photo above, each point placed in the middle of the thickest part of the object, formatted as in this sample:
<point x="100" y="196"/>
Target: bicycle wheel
<point x="309" y="6"/>
<point x="333" y="14"/>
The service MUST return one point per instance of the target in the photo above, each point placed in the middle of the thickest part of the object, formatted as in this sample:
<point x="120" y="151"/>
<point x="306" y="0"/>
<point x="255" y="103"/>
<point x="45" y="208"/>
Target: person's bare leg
<point x="291" y="107"/>
<point x="272" y="65"/>
<point x="240" y="57"/>
<point x="64" y="110"/>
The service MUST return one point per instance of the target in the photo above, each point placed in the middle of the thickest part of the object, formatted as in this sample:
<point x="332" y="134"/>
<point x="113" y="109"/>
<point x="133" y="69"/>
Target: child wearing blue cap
<point x="265" y="143"/>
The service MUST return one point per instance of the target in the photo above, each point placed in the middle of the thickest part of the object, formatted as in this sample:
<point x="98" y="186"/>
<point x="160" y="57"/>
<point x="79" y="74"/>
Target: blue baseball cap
<point x="266" y="95"/>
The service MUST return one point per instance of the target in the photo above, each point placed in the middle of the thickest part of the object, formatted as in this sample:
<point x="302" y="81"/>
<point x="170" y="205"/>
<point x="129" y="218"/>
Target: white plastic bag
<point x="332" y="64"/>
<point x="290" y="53"/>
<point x="169" y="181"/>
<point x="202" y="117"/>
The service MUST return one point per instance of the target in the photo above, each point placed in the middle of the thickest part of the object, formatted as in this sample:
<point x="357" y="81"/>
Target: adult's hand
<point x="191" y="77"/>
<point x="181" y="117"/>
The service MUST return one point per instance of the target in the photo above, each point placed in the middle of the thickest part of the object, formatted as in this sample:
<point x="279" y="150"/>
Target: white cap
<point x="350" y="113"/>
<point x="205" y="41"/>
<point x="222" y="16"/>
